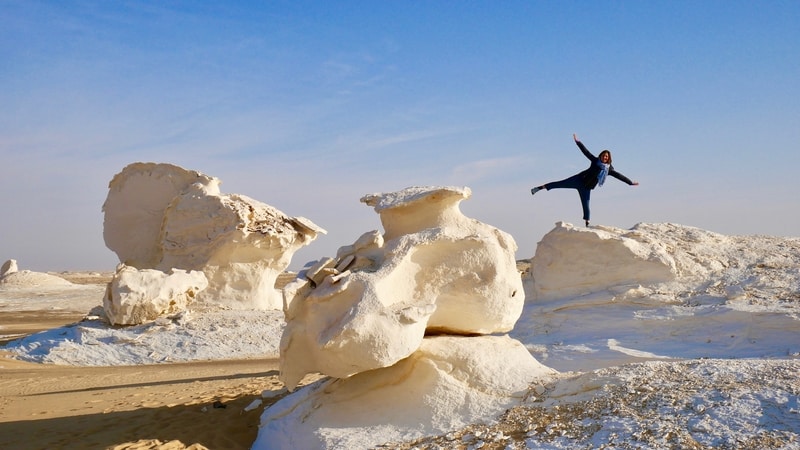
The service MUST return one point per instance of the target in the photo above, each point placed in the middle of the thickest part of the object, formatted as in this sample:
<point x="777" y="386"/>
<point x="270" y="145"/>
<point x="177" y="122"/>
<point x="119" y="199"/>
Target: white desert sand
<point x="124" y="405"/>
<point x="187" y="405"/>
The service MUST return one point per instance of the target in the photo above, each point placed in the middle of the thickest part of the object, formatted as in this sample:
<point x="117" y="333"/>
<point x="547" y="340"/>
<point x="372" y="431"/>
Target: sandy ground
<point x="142" y="407"/>
<point x="166" y="406"/>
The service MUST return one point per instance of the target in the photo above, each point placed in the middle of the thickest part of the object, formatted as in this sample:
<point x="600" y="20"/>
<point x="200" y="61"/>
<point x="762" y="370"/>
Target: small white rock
<point x="253" y="405"/>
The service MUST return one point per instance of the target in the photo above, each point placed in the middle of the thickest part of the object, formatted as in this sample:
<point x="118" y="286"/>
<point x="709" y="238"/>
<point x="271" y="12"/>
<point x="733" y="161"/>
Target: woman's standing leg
<point x="585" y="196"/>
<point x="574" y="182"/>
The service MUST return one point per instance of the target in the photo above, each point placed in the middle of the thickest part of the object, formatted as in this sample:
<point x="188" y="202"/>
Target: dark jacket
<point x="589" y="175"/>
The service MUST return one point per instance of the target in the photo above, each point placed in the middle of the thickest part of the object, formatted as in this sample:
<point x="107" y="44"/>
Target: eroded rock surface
<point x="573" y="261"/>
<point x="137" y="296"/>
<point x="401" y="321"/>
<point x="434" y="270"/>
<point x="163" y="217"/>
<point x="448" y="383"/>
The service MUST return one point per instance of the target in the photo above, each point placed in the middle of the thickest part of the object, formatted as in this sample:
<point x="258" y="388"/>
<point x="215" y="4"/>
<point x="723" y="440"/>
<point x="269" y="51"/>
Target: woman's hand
<point x="635" y="183"/>
<point x="575" y="136"/>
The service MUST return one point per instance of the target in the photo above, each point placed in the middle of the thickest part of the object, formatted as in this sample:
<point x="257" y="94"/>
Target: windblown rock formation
<point x="605" y="257"/>
<point x="8" y="268"/>
<point x="11" y="276"/>
<point x="163" y="217"/>
<point x="137" y="296"/>
<point x="433" y="270"/>
<point x="659" y="291"/>
<point x="448" y="383"/>
<point x="573" y="261"/>
<point x="375" y="318"/>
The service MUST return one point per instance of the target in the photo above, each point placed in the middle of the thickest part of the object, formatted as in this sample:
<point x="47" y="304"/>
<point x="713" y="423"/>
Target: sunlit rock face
<point x="434" y="270"/>
<point x="161" y="216"/>
<point x="137" y="296"/>
<point x="448" y="383"/>
<point x="573" y="261"/>
<point x="406" y="325"/>
<point x="8" y="268"/>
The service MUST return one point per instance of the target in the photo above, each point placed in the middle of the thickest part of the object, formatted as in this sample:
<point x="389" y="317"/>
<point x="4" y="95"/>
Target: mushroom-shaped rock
<point x="161" y="216"/>
<point x="434" y="270"/>
<point x="241" y="244"/>
<point x="448" y="383"/>
<point x="137" y="296"/>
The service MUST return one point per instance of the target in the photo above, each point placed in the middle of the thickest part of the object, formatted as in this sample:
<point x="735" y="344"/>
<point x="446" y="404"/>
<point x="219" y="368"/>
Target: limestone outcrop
<point x="9" y="267"/>
<point x="639" y="262"/>
<point x="434" y="270"/>
<point x="574" y="261"/>
<point x="12" y="277"/>
<point x="137" y="296"/>
<point x="448" y="383"/>
<point x="406" y="323"/>
<point x="163" y="217"/>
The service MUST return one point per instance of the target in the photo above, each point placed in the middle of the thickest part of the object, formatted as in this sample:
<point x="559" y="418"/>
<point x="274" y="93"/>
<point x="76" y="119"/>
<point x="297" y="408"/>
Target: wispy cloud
<point x="472" y="171"/>
<point x="407" y="137"/>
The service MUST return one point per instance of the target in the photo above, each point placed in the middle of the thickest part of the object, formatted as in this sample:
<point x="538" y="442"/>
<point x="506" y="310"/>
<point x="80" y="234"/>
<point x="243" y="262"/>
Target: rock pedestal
<point x="401" y="321"/>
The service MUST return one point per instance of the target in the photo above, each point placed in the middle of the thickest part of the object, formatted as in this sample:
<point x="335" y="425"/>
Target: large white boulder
<point x="434" y="270"/>
<point x="134" y="209"/>
<point x="448" y="383"/>
<point x="161" y="216"/>
<point x="572" y="261"/>
<point x="137" y="296"/>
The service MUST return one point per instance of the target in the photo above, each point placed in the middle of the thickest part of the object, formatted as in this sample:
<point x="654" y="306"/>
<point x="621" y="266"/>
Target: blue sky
<point x="307" y="106"/>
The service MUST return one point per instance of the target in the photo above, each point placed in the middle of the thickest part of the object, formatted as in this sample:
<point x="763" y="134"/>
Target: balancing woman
<point x="585" y="181"/>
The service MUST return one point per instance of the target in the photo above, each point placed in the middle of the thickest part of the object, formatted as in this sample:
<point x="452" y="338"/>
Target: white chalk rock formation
<point x="448" y="383"/>
<point x="8" y="268"/>
<point x="134" y="209"/>
<point x="12" y="277"/>
<point x="434" y="270"/>
<point x="161" y="216"/>
<point x="137" y="296"/>
<point x="574" y="261"/>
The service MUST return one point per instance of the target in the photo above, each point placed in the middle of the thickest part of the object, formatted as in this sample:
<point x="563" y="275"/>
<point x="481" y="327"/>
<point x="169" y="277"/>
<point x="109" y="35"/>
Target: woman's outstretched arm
<point x="583" y="148"/>
<point x="622" y="177"/>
